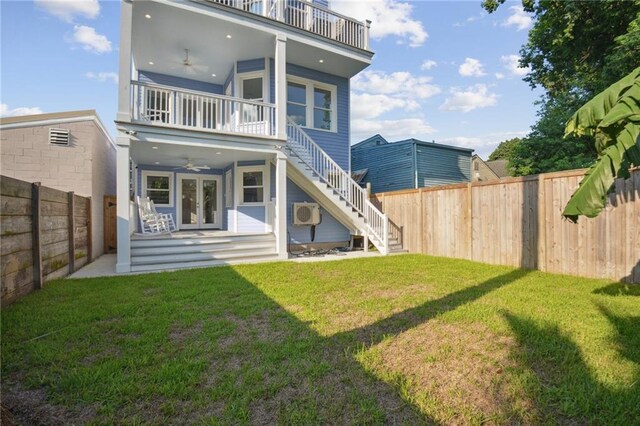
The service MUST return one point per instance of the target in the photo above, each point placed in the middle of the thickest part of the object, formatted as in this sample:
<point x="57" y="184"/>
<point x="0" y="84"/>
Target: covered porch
<point x="225" y="196"/>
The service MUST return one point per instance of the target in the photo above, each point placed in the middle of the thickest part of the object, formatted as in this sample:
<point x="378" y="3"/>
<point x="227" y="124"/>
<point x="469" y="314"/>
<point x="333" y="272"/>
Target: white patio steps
<point x="174" y="252"/>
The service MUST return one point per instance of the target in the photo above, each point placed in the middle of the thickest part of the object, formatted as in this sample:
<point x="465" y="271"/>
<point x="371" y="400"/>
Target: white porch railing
<point x="169" y="106"/>
<point x="341" y="182"/>
<point x="308" y="16"/>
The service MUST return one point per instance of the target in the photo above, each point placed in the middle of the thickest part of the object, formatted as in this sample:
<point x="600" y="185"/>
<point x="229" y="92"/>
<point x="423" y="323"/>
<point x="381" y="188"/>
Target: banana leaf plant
<point x="612" y="118"/>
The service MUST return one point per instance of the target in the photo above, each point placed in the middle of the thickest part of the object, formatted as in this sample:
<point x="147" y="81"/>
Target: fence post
<point x="421" y="248"/>
<point x="470" y="219"/>
<point x="89" y="233"/>
<point x="71" y="234"/>
<point x="541" y="228"/>
<point x="36" y="227"/>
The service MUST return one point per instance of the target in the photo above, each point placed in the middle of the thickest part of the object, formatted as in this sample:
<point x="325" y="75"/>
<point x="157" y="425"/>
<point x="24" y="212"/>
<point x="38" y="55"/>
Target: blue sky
<point x="442" y="70"/>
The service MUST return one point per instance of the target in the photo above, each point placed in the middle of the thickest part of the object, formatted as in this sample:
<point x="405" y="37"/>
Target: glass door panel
<point x="189" y="203"/>
<point x="209" y="201"/>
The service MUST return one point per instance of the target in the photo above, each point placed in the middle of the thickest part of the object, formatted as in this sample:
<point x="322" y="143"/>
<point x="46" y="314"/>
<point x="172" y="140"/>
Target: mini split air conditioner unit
<point x="306" y="214"/>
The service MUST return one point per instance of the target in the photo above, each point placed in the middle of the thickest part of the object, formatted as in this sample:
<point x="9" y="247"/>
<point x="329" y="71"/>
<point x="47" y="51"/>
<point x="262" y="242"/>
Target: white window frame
<point x="266" y="185"/>
<point x="251" y="75"/>
<point x="228" y="189"/>
<point x="310" y="105"/>
<point x="147" y="173"/>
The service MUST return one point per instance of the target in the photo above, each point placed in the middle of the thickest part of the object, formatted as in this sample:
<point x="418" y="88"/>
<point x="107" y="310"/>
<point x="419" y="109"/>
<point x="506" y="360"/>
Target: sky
<point x="442" y="70"/>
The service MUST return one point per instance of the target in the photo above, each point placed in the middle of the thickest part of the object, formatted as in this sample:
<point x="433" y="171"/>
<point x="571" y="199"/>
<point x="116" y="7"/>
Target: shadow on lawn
<point x="564" y="384"/>
<point x="231" y="354"/>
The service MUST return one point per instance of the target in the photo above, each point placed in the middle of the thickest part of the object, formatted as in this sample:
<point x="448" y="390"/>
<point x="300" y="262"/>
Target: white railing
<point x="340" y="181"/>
<point x="170" y="106"/>
<point x="308" y="16"/>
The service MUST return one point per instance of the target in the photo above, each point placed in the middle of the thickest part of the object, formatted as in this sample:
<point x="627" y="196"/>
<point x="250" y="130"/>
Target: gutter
<point x="415" y="165"/>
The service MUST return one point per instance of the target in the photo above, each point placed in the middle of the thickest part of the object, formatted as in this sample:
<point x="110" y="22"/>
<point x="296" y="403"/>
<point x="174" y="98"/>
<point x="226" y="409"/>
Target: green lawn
<point x="400" y="339"/>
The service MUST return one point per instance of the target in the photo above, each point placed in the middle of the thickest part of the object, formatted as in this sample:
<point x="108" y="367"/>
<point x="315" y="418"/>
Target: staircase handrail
<point x="340" y="181"/>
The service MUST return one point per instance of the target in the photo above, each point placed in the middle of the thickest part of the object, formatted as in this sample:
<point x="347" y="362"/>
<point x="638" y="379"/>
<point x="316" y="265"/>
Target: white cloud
<point x="483" y="144"/>
<point x="366" y="106"/>
<point x="499" y="76"/>
<point x="396" y="84"/>
<point x="471" y="19"/>
<point x="5" y="111"/>
<point x="471" y="68"/>
<point x="428" y="64"/>
<point x="465" y="100"/>
<point x="401" y="128"/>
<point x="512" y="64"/>
<point x="518" y="18"/>
<point x="389" y="18"/>
<point x="102" y="76"/>
<point x="67" y="10"/>
<point x="90" y="40"/>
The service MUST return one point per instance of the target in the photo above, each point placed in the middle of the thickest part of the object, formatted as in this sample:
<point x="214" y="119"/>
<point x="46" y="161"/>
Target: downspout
<point x="415" y="165"/>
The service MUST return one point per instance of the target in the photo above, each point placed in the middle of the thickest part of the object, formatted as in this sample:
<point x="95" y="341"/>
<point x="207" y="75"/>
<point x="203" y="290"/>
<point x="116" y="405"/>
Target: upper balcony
<point x="307" y="16"/>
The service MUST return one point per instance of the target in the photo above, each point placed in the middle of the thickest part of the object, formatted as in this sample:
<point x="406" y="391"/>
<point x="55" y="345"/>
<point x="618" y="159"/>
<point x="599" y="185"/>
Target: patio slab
<point x="105" y="265"/>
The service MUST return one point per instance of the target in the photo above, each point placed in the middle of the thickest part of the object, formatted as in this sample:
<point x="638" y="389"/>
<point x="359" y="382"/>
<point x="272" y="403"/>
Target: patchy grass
<point x="402" y="339"/>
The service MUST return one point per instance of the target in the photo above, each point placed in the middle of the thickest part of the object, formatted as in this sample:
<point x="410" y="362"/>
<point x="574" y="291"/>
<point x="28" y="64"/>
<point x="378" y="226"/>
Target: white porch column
<point x="123" y="263"/>
<point x="281" y="205"/>
<point x="281" y="86"/>
<point x="125" y="69"/>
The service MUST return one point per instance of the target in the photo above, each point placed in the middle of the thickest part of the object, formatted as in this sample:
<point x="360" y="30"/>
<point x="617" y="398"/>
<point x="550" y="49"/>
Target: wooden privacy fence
<point x="44" y="234"/>
<point x="518" y="222"/>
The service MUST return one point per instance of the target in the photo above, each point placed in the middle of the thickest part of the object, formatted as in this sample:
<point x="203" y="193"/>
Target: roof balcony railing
<point x="173" y="107"/>
<point x="308" y="16"/>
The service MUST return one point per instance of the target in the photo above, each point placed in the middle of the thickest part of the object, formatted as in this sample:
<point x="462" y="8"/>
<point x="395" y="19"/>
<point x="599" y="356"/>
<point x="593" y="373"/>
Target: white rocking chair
<point x="152" y="222"/>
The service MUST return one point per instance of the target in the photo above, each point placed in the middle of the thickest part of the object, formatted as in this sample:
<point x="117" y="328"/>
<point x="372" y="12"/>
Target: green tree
<point x="504" y="149"/>
<point x="575" y="49"/>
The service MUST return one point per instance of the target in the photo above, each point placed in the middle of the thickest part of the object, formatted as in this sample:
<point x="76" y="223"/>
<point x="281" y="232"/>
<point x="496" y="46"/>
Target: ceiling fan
<point x="194" y="168"/>
<point x="188" y="66"/>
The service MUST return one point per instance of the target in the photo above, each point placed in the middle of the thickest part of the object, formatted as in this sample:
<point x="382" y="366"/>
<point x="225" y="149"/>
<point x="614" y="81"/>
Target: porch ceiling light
<point x="147" y="16"/>
<point x="321" y="60"/>
<point x="157" y="162"/>
<point x="218" y="153"/>
<point x="150" y="62"/>
<point x="213" y="75"/>
<point x="154" y="147"/>
<point x="228" y="35"/>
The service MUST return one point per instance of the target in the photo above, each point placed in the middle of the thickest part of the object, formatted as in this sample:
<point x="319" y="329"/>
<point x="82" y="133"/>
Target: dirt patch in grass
<point x="462" y="369"/>
<point x="180" y="333"/>
<point x="32" y="407"/>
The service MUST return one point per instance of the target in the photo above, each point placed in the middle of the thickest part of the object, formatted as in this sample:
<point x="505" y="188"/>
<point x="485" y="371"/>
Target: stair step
<point x="203" y="264"/>
<point x="206" y="256"/>
<point x="202" y="248"/>
<point x="177" y="240"/>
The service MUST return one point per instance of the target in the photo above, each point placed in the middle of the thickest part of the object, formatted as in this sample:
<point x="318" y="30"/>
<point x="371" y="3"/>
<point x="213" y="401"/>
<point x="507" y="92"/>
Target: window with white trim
<point x="253" y="183"/>
<point x="311" y="104"/>
<point x="158" y="186"/>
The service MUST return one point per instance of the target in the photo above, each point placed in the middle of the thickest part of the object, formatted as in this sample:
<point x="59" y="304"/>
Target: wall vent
<point x="59" y="136"/>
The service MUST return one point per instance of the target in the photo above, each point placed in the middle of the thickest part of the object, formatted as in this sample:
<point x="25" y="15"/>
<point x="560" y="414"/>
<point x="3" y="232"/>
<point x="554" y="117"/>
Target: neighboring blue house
<point x="236" y="123"/>
<point x="411" y="163"/>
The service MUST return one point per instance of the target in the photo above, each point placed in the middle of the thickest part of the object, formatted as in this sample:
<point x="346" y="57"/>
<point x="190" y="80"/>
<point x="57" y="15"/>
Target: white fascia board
<point x="214" y="141"/>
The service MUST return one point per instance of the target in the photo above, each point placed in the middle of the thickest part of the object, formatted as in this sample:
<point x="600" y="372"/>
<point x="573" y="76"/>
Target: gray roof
<point x="499" y="167"/>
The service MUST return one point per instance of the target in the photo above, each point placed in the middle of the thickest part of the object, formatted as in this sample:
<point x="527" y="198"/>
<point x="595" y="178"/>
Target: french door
<point x="199" y="201"/>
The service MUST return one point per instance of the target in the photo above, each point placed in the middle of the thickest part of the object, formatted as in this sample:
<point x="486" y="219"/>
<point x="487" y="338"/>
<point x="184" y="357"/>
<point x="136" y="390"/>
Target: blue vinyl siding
<point x="183" y="83"/>
<point x="329" y="231"/>
<point x="390" y="166"/>
<point x="439" y="165"/>
<point x="335" y="144"/>
<point x="251" y="219"/>
<point x="251" y="65"/>
<point x="174" y="210"/>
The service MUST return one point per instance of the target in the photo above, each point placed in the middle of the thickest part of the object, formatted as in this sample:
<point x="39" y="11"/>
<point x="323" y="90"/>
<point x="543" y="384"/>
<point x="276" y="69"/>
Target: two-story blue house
<point x="230" y="113"/>
<point x="411" y="163"/>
